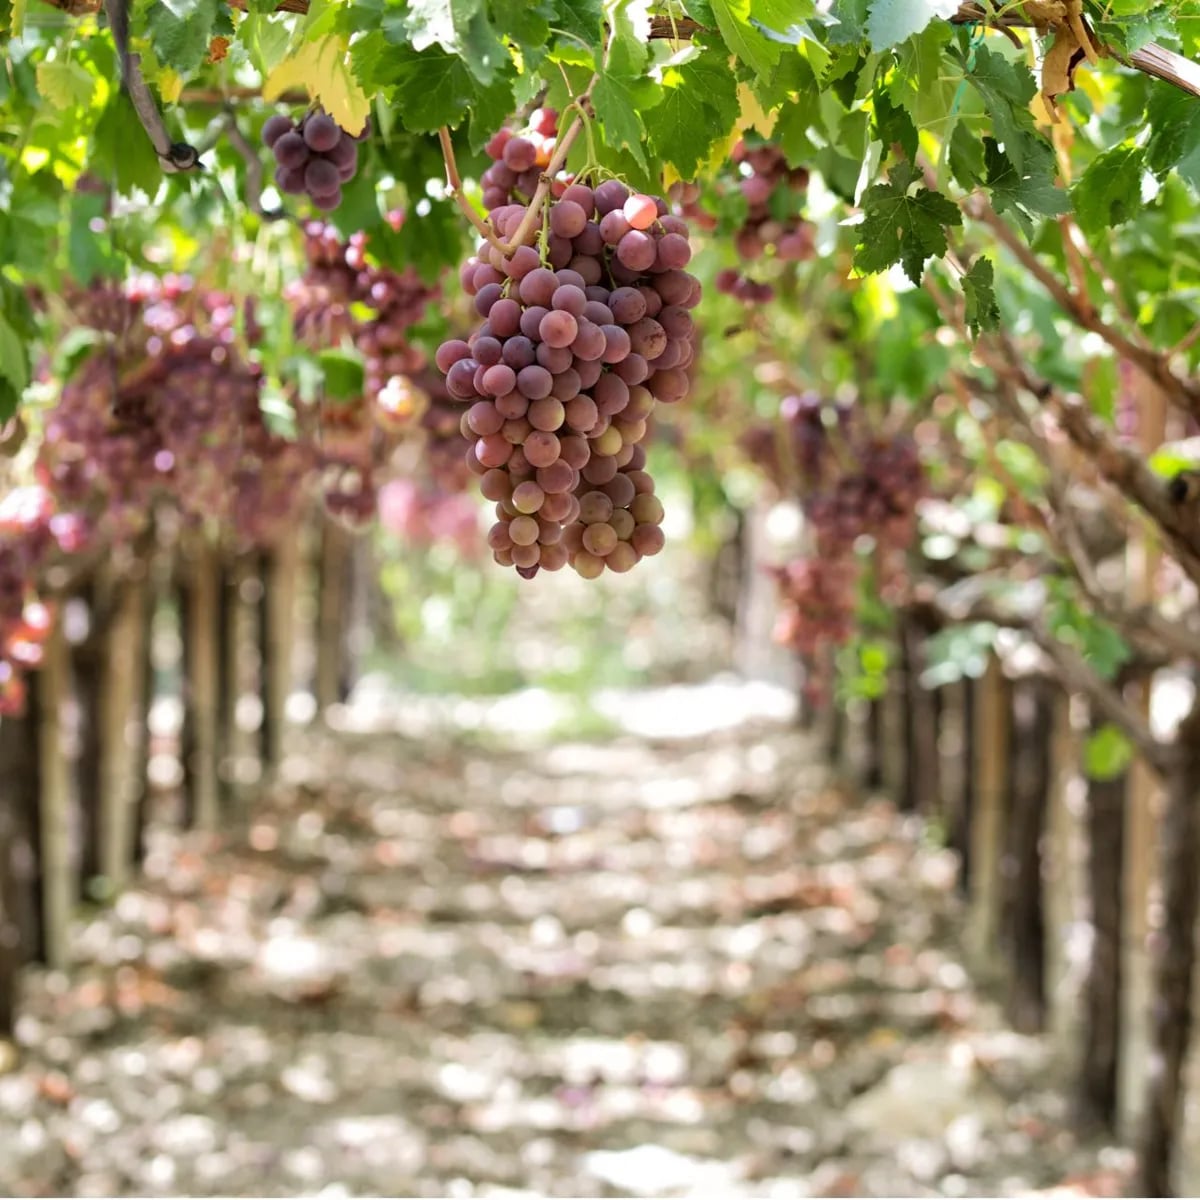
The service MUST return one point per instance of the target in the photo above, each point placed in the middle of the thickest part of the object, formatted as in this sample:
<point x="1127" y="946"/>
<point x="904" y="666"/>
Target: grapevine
<point x="584" y="329"/>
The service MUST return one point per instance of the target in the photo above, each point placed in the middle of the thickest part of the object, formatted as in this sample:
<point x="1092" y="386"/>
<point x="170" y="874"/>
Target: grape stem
<point x="561" y="150"/>
<point x="254" y="170"/>
<point x="533" y="211"/>
<point x="454" y="185"/>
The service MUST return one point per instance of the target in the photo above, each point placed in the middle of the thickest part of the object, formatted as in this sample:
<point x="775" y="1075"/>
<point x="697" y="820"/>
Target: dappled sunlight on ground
<point x="433" y="964"/>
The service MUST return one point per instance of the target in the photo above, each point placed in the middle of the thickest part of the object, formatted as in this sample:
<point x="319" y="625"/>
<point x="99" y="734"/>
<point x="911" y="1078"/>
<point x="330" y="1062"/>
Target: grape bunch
<point x="878" y="498"/>
<point x="315" y="156"/>
<point x="577" y="345"/>
<point x="773" y="226"/>
<point x="518" y="160"/>
<point x="819" y="603"/>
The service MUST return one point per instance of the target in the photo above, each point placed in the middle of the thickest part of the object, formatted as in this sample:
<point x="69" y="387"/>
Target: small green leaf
<point x="181" y="38"/>
<point x="343" y="374"/>
<point x="894" y="21"/>
<point x="901" y="227"/>
<point x="1107" y="754"/>
<point x="699" y="105"/>
<point x="981" y="310"/>
<point x="66" y="85"/>
<point x="757" y="51"/>
<point x="1110" y="191"/>
<point x="1006" y="88"/>
<point x="1027" y="193"/>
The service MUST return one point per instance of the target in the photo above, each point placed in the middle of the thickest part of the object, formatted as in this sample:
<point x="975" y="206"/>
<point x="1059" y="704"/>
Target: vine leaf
<point x="757" y="51"/>
<point x="903" y="226"/>
<point x="891" y="22"/>
<point x="623" y="93"/>
<point x="1109" y="192"/>
<point x="14" y="369"/>
<point x="180" y="34"/>
<point x="65" y="85"/>
<point x="981" y="310"/>
<point x="1024" y="194"/>
<point x="699" y="105"/>
<point x="1006" y="89"/>
<point x="322" y="68"/>
<point x="1174" y="119"/>
<point x="460" y="27"/>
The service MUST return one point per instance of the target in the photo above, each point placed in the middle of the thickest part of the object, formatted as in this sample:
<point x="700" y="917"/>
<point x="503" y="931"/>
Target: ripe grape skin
<point x="558" y="329"/>
<point x="291" y="150"/>
<point x="275" y="127"/>
<point x="321" y="177"/>
<point x="523" y="530"/>
<point x="647" y="539"/>
<point x="595" y="508"/>
<point x="321" y="133"/>
<point x="600" y="539"/>
<point x="640" y="211"/>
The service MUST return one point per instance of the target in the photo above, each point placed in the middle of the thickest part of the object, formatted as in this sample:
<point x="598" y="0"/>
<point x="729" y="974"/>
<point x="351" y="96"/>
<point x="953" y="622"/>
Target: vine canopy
<point x="910" y="110"/>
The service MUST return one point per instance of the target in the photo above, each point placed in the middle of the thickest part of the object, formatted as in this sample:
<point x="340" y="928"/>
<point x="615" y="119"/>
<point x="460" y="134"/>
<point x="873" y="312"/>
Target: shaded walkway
<point x="633" y="967"/>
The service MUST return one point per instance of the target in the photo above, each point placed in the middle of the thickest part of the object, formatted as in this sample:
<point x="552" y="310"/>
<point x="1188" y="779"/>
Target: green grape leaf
<point x="1109" y="192"/>
<point x="582" y="19"/>
<point x="1006" y="88"/>
<point x="1107" y="754"/>
<point x="966" y="157"/>
<point x="180" y="33"/>
<point x="14" y="362"/>
<point x="894" y="21"/>
<point x="699" y="105"/>
<point x="1174" y="119"/>
<point x="430" y="88"/>
<point x="903" y="226"/>
<point x="343" y="374"/>
<point x="758" y="52"/>
<point x="620" y="100"/>
<point x="894" y="125"/>
<point x="981" y="310"/>
<point x="848" y="22"/>
<point x="121" y="152"/>
<point x="1027" y="193"/>
<point x="66" y="85"/>
<point x="460" y="27"/>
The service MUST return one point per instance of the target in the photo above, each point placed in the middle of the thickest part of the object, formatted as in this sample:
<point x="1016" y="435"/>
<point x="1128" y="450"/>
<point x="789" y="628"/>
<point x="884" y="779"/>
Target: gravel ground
<point x="423" y="966"/>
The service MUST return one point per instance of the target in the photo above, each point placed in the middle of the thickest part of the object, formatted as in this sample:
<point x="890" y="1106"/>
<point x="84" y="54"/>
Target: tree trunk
<point x="58" y="882"/>
<point x="1100" y="1039"/>
<point x="872" y="768"/>
<point x="276" y="633"/>
<point x="87" y="678"/>
<point x="333" y="590"/>
<point x="21" y="938"/>
<point x="199" y="615"/>
<point x="922" y="768"/>
<point x="1174" y="963"/>
<point x="990" y="766"/>
<point x="1023" y="922"/>
<point x="231" y="574"/>
<point x="142" y="664"/>
<point x="122" y="681"/>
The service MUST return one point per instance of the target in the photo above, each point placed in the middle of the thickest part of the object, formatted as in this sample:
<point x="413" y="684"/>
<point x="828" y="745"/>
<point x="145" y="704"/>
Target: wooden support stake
<point x="122" y="682"/>
<point x="1141" y="809"/>
<point x="1023" y="920"/>
<point x="992" y="739"/>
<point x="200" y="619"/>
<point x="277" y="631"/>
<point x="58" y="878"/>
<point x="332" y="606"/>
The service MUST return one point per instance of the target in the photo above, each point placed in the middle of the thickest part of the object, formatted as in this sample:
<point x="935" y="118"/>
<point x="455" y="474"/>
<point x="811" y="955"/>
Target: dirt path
<point x="632" y="968"/>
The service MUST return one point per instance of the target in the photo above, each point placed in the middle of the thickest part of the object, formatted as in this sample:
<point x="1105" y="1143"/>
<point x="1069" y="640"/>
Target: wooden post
<point x="1064" y="872"/>
<point x="894" y="746"/>
<point x="1023" y="922"/>
<point x="20" y="877"/>
<point x="1100" y="1035"/>
<point x="229" y="661"/>
<point x="200" y="636"/>
<point x="872" y="745"/>
<point x="991" y="739"/>
<point x="277" y="625"/>
<point x="122" y="684"/>
<point x="957" y="771"/>
<point x="85" y="675"/>
<point x="142" y="664"/>
<point x="332" y="611"/>
<point x="58" y="882"/>
<point x="922" y="767"/>
<point x="1143" y="801"/>
<point x="1174" y="966"/>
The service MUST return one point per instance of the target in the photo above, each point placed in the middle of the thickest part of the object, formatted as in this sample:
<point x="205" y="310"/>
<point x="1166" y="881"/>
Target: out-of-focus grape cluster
<point x="356" y="432"/>
<point x="585" y="327"/>
<point x="773" y="226"/>
<point x="859" y="489"/>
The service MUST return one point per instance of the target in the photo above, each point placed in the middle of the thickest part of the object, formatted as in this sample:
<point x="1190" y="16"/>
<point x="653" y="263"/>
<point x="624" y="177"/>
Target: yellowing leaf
<point x="322" y="68"/>
<point x="65" y="85"/>
<point x="18" y="18"/>
<point x="170" y="84"/>
<point x="753" y="116"/>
